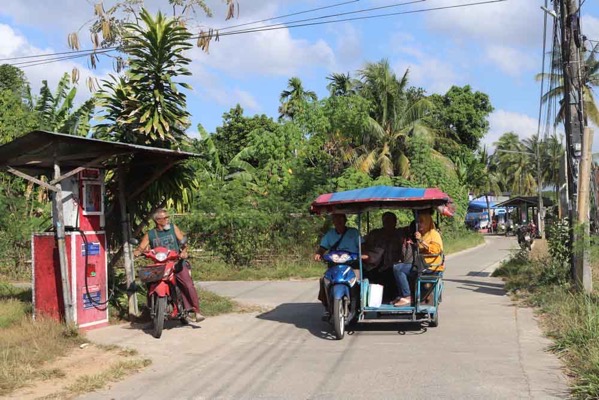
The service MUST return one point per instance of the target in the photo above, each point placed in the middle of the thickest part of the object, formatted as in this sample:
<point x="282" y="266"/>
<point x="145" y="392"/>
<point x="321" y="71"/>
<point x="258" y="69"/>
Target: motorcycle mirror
<point x="183" y="241"/>
<point x="133" y="242"/>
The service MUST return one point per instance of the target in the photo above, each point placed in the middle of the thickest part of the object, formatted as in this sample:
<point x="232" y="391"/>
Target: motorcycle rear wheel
<point x="158" y="322"/>
<point x="338" y="318"/>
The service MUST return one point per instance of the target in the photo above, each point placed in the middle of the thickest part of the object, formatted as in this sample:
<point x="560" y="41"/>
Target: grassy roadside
<point x="299" y="268"/>
<point x="30" y="349"/>
<point x="570" y="319"/>
<point x="25" y="345"/>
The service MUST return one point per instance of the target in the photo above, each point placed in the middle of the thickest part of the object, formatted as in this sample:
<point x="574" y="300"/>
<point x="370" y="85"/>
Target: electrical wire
<point x="92" y="51"/>
<point x="287" y="15"/>
<point x="276" y="26"/>
<point x="297" y="25"/>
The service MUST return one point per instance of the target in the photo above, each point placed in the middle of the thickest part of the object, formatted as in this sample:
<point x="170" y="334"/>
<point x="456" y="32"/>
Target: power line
<point x="34" y="63"/>
<point x="288" y="15"/>
<point x="277" y="26"/>
<point x="92" y="51"/>
<point x="338" y="14"/>
<point x="280" y="26"/>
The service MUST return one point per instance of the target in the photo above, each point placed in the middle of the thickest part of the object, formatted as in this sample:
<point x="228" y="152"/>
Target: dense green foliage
<point x="248" y="192"/>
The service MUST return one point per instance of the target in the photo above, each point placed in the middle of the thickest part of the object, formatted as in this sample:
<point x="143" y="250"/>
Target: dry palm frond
<point x="73" y="41"/>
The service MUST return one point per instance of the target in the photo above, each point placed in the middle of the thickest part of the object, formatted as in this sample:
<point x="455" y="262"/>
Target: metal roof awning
<point x="532" y="201"/>
<point x="36" y="153"/>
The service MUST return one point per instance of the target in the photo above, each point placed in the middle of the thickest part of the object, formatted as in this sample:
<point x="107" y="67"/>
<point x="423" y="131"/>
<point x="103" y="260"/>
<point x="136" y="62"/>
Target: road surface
<point x="484" y="347"/>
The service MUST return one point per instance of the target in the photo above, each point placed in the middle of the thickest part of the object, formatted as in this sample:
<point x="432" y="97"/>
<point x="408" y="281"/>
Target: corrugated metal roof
<point x="36" y="152"/>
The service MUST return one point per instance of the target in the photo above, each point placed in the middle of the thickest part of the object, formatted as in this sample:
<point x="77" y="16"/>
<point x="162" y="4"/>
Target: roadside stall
<point x="69" y="263"/>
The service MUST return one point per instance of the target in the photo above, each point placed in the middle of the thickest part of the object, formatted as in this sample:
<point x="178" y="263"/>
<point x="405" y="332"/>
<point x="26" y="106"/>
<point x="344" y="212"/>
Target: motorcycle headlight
<point x="161" y="256"/>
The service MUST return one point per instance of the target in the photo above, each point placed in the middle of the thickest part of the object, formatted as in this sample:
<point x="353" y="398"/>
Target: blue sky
<point x="495" y="48"/>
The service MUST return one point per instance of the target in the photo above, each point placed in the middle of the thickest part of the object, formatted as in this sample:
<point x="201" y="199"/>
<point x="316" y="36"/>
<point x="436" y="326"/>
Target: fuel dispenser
<point x="85" y="238"/>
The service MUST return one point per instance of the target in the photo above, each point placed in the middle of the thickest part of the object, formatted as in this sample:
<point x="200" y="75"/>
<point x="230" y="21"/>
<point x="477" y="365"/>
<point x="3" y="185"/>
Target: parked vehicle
<point x="428" y="282"/>
<point x="526" y="234"/>
<point x="165" y="299"/>
<point x="340" y="282"/>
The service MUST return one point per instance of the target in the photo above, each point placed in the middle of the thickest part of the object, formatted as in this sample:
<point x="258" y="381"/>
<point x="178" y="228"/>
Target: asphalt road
<point x="484" y="347"/>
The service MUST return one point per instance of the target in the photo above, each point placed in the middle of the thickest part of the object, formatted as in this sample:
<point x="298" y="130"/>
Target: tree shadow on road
<point x="308" y="316"/>
<point x="496" y="289"/>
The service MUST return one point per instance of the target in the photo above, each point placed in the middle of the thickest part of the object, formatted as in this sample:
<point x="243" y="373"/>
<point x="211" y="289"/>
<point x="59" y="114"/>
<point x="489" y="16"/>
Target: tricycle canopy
<point x="382" y="197"/>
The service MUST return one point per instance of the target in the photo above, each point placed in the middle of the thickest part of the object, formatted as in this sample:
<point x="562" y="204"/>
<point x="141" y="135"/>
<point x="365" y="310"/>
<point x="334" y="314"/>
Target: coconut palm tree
<point x="589" y="78"/>
<point x="552" y="152"/>
<point x="341" y="84"/>
<point x="392" y="118"/>
<point x="516" y="167"/>
<point x="294" y="98"/>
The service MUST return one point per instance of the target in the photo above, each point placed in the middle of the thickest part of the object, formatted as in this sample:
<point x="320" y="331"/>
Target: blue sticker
<point x="93" y="249"/>
<point x="94" y="298"/>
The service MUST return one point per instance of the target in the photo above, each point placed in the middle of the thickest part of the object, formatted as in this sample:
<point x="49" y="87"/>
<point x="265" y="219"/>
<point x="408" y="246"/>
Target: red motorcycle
<point x="165" y="299"/>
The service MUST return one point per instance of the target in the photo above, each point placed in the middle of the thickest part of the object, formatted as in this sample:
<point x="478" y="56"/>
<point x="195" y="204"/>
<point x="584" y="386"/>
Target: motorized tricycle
<point x="165" y="299"/>
<point x="348" y="306"/>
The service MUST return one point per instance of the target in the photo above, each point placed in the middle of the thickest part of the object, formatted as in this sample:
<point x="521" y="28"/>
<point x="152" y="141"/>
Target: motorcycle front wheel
<point x="158" y="322"/>
<point x="338" y="318"/>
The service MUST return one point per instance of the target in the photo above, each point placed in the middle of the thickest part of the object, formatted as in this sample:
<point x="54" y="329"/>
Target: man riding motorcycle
<point x="169" y="235"/>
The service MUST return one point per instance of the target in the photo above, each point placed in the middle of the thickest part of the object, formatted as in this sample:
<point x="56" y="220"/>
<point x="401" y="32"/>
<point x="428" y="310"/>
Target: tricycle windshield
<point x="382" y="197"/>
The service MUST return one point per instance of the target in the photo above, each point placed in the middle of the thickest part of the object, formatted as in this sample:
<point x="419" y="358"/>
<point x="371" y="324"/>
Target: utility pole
<point x="572" y="42"/>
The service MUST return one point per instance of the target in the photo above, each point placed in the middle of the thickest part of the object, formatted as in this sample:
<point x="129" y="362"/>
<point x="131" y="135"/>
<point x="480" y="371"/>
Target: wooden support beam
<point x="79" y="169"/>
<point x="31" y="179"/>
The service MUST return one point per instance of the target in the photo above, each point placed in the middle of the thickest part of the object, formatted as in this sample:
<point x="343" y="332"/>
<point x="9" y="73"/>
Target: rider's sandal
<point x="402" y="302"/>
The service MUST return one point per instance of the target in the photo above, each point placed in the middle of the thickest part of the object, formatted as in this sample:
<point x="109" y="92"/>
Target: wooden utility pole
<point x="69" y="316"/>
<point x="569" y="13"/>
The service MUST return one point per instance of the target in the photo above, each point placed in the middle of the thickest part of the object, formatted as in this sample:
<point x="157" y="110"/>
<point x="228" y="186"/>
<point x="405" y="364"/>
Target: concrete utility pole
<point x="572" y="42"/>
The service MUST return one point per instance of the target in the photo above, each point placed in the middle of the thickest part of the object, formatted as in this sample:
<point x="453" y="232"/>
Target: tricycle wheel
<point x="338" y="318"/>
<point x="158" y="322"/>
<point x="434" y="320"/>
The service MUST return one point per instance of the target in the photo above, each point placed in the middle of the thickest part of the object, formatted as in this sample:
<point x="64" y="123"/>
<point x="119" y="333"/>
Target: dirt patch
<point x="64" y="375"/>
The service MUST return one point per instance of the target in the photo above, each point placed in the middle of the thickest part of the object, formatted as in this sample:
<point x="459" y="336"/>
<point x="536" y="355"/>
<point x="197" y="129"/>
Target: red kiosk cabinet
<point x="83" y="209"/>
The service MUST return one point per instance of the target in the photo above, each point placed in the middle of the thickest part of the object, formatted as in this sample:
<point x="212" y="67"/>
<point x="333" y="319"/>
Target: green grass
<point x="212" y="269"/>
<point x="461" y="240"/>
<point x="569" y="318"/>
<point x="212" y="304"/>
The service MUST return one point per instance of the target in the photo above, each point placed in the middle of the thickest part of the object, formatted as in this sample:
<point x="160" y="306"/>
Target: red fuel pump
<point x="85" y="238"/>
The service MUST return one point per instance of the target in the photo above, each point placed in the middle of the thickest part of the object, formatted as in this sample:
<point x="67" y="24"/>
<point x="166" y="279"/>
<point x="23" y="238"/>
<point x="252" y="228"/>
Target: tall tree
<point x="461" y="116"/>
<point x="516" y="167"/>
<point x="589" y="79"/>
<point x="392" y="118"/>
<point x="295" y="98"/>
<point x="146" y="106"/>
<point x="235" y="133"/>
<point x="341" y="84"/>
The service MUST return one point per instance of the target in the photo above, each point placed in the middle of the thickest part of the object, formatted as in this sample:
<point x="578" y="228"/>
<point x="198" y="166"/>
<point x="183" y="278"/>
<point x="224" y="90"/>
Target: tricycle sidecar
<point x="428" y="278"/>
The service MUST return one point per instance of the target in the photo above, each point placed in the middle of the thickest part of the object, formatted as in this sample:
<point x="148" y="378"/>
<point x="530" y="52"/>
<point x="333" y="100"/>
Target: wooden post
<point x="62" y="250"/>
<point x="128" y="259"/>
<point x="584" y="266"/>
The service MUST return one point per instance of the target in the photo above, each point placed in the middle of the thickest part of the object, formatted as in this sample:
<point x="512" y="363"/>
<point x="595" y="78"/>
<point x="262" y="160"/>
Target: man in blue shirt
<point x="339" y="238"/>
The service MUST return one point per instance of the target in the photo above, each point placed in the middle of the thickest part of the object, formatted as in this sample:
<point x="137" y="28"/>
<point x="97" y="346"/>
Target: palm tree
<point x="552" y="157"/>
<point x="341" y="84"/>
<point x="516" y="167"/>
<point x="294" y="98"/>
<point x="392" y="118"/>
<point x="589" y="78"/>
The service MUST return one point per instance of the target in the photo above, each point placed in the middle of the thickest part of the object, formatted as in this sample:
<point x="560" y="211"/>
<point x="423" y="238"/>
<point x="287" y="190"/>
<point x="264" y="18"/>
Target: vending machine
<point x="85" y="239"/>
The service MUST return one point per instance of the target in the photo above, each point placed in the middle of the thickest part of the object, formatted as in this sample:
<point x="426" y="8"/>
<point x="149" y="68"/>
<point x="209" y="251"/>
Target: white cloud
<point x="13" y="44"/>
<point x="348" y="47"/>
<point x="590" y="27"/>
<point x="510" y="60"/>
<point x="266" y="53"/>
<point x="502" y="121"/>
<point x="508" y="22"/>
